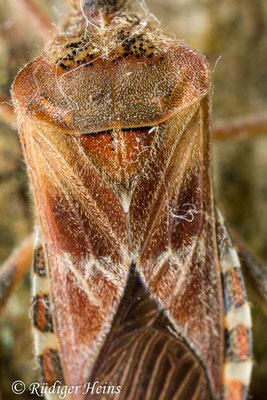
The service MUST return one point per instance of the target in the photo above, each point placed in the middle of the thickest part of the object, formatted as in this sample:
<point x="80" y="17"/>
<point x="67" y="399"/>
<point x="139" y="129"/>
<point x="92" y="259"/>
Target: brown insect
<point x="137" y="284"/>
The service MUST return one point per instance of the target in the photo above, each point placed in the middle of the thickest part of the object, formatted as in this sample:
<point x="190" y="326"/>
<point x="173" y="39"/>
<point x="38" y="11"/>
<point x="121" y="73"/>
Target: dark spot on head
<point x="125" y="45"/>
<point x="73" y="45"/>
<point x="63" y="66"/>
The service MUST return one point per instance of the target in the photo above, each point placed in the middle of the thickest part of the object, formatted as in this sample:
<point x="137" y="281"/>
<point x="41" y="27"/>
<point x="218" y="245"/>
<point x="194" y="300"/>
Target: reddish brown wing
<point x="178" y="258"/>
<point x="83" y="235"/>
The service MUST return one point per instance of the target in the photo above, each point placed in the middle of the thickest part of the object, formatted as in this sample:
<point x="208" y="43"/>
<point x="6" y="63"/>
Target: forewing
<point x="83" y="234"/>
<point x="172" y="212"/>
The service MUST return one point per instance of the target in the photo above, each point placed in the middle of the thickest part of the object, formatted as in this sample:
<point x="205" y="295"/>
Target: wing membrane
<point x="142" y="355"/>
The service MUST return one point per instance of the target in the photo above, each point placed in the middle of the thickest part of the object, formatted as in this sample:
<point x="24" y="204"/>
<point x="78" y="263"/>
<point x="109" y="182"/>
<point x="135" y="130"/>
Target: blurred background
<point x="233" y="36"/>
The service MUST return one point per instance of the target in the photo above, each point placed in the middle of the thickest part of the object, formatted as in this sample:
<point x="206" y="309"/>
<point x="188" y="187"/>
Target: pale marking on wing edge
<point x="93" y="299"/>
<point x="44" y="341"/>
<point x="238" y="371"/>
<point x="238" y="316"/>
<point x="40" y="285"/>
<point x="114" y="275"/>
<point x="230" y="260"/>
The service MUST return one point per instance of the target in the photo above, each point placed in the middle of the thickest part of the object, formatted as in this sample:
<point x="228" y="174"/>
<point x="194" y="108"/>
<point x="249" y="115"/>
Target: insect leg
<point x="41" y="23"/>
<point x="240" y="128"/>
<point x="14" y="268"/>
<point x="7" y="113"/>
<point x="255" y="273"/>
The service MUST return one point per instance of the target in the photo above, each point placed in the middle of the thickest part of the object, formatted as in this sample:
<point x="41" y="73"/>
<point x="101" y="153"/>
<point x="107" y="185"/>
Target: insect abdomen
<point x="238" y="334"/>
<point x="46" y="341"/>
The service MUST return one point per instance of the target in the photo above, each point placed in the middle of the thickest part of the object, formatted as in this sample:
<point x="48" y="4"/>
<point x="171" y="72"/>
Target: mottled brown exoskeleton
<point x="137" y="284"/>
